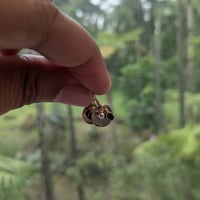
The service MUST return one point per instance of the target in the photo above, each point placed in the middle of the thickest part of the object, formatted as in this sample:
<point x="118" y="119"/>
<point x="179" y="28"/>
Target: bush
<point x="162" y="169"/>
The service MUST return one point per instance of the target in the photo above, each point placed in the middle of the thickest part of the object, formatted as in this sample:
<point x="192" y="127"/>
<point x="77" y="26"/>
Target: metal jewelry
<point x="97" y="114"/>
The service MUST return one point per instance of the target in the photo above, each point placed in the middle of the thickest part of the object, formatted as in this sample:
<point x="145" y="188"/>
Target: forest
<point x="151" y="151"/>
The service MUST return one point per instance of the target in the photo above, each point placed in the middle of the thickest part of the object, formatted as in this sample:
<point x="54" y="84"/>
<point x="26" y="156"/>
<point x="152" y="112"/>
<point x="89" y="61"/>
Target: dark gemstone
<point x="88" y="114"/>
<point x="110" y="116"/>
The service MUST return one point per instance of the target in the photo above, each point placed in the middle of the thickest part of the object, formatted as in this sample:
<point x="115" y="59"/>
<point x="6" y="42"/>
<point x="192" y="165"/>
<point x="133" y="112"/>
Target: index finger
<point x="41" y="26"/>
<point x="68" y="44"/>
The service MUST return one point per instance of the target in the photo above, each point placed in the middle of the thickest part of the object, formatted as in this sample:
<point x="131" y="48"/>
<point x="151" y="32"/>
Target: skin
<point x="70" y="69"/>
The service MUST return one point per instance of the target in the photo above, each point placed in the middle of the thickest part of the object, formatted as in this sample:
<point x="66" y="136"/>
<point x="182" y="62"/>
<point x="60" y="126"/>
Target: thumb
<point x="39" y="25"/>
<point x="29" y="79"/>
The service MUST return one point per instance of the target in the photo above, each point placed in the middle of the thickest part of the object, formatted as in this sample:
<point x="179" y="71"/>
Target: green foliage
<point x="141" y="112"/>
<point x="94" y="136"/>
<point x="148" y="177"/>
<point x="110" y="43"/>
<point x="131" y="35"/>
<point x="14" y="176"/>
<point x="179" y="143"/>
<point x="91" y="168"/>
<point x="136" y="76"/>
<point x="138" y="83"/>
<point x="169" y="66"/>
<point x="196" y="60"/>
<point x="168" y="32"/>
<point x="127" y="17"/>
<point x="170" y="109"/>
<point x="85" y="12"/>
<point x="165" y="168"/>
<point x="193" y="108"/>
<point x="109" y="39"/>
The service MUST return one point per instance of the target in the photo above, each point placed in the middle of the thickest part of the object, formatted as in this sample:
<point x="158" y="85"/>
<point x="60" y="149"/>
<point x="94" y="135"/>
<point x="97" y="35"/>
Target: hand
<point x="71" y="69"/>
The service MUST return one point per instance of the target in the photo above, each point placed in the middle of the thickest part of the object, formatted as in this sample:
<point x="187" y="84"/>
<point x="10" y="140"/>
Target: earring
<point x="97" y="114"/>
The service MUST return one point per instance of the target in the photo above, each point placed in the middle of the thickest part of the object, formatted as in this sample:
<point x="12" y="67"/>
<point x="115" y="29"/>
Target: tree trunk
<point x="114" y="134"/>
<point x="45" y="165"/>
<point x="180" y="63"/>
<point x="81" y="193"/>
<point x="190" y="49"/>
<point x="157" y="54"/>
<point x="73" y="149"/>
<point x="72" y="133"/>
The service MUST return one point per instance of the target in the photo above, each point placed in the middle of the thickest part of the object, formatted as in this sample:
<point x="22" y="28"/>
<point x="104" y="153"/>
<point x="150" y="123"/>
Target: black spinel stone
<point x="88" y="114"/>
<point x="110" y="116"/>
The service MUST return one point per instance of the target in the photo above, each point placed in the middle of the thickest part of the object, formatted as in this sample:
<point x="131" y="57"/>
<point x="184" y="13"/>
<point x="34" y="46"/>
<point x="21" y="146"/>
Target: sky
<point x="105" y="4"/>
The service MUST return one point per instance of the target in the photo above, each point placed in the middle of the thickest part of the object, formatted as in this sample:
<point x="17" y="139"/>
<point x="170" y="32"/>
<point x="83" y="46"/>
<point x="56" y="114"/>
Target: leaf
<point x="131" y="35"/>
<point x="14" y="173"/>
<point x="109" y="39"/>
<point x="110" y="42"/>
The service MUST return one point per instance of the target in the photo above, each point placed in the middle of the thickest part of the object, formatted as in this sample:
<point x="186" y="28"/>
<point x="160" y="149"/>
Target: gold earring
<point x="97" y="114"/>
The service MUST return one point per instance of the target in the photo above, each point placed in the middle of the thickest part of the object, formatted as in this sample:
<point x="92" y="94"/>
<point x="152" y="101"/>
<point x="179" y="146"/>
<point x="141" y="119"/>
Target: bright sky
<point x="105" y="4"/>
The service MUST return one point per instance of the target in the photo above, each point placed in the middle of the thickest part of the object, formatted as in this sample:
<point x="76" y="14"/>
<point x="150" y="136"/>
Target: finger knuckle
<point x="29" y="82"/>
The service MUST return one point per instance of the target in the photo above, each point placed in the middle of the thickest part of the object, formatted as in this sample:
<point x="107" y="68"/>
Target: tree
<point x="140" y="101"/>
<point x="72" y="133"/>
<point x="157" y="54"/>
<point x="74" y="150"/>
<point x="190" y="48"/>
<point x="180" y="64"/>
<point x="45" y="163"/>
<point x="85" y="12"/>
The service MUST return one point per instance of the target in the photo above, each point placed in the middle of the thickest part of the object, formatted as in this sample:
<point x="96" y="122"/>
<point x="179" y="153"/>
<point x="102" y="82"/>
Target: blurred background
<point x="151" y="151"/>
